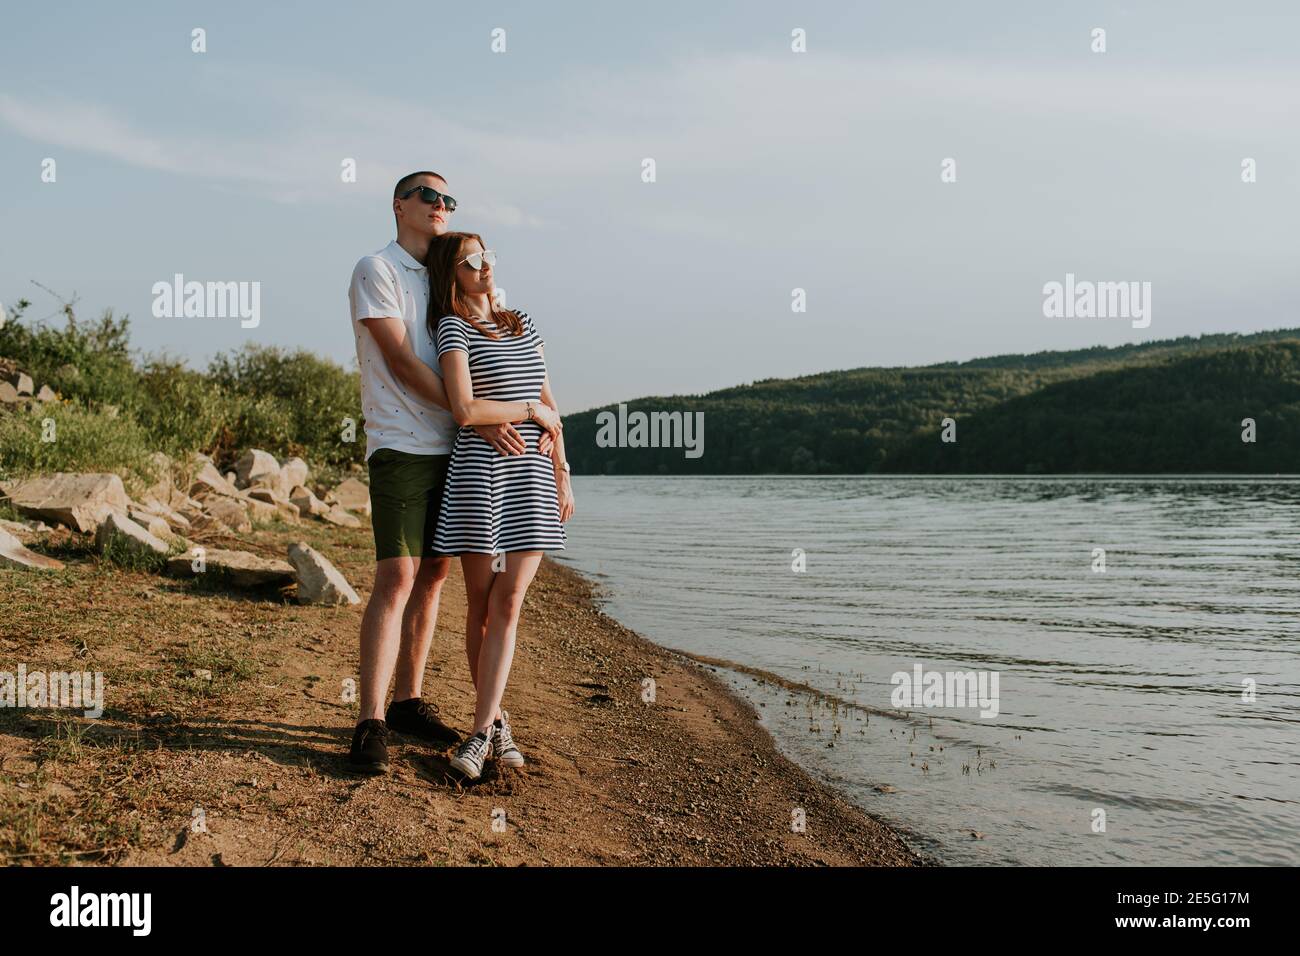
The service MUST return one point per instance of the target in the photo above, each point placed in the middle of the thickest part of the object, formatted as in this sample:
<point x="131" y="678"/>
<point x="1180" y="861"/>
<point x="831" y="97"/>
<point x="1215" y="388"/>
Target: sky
<point x="775" y="170"/>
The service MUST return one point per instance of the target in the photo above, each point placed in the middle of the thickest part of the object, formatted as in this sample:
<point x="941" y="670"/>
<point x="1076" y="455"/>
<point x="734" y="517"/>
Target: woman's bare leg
<point x="497" y="649"/>
<point x="478" y="572"/>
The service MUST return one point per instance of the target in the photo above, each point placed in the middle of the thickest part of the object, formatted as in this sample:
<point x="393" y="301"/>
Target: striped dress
<point x="493" y="503"/>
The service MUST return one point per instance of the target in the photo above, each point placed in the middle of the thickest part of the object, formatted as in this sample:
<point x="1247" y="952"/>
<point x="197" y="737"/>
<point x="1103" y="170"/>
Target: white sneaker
<point x="471" y="754"/>
<point x="503" y="745"/>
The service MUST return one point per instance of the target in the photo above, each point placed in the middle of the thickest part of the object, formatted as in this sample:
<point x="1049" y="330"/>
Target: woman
<point x="498" y="513"/>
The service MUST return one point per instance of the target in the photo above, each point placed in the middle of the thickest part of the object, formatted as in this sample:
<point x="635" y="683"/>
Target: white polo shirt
<point x="391" y="284"/>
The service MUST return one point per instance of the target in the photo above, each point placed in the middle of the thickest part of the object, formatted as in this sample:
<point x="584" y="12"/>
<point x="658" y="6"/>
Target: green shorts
<point x="405" y="495"/>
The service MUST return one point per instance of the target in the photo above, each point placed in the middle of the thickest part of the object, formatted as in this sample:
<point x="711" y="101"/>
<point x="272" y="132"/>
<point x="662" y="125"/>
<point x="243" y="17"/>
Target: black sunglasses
<point x="431" y="196"/>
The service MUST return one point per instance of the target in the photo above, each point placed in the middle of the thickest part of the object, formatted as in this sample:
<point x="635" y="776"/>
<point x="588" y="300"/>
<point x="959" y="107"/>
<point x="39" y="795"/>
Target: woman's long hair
<point x="445" y="297"/>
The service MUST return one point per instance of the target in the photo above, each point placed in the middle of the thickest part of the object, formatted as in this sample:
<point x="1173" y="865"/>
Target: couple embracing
<point x="466" y="458"/>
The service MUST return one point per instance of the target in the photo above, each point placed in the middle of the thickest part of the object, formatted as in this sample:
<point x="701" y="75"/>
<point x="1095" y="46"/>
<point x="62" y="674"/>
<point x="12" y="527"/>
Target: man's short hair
<point x="407" y="181"/>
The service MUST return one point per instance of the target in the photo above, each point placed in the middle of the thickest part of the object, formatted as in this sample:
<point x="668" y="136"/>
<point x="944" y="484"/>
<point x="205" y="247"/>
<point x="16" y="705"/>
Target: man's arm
<point x="390" y="336"/>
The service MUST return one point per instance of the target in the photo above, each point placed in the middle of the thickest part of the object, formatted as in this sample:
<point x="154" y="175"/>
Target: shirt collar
<point x="404" y="257"/>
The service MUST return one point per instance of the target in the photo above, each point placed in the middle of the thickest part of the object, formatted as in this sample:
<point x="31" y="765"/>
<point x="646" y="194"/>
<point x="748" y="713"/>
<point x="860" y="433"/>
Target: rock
<point x="154" y="523"/>
<point x="163" y="486"/>
<point x="46" y="394"/>
<point x="353" y="495"/>
<point x="14" y="554"/>
<point x="307" y="503"/>
<point x="211" y="525"/>
<point x="342" y="517"/>
<point x="208" y="478"/>
<point x="110" y="411"/>
<point x="294" y="472"/>
<point x="22" y="383"/>
<point x="257" y="464"/>
<point x="231" y="478"/>
<point x="140" y="515"/>
<point x="22" y="532"/>
<point x="233" y="514"/>
<point x="260" y="511"/>
<point x="319" y="582"/>
<point x="26" y="531"/>
<point x="239" y="567"/>
<point x="160" y="529"/>
<point x="170" y="515"/>
<point x="118" y="529"/>
<point x="68" y="372"/>
<point x="8" y="394"/>
<point x="283" y="508"/>
<point x="79" y="501"/>
<point x="182" y="503"/>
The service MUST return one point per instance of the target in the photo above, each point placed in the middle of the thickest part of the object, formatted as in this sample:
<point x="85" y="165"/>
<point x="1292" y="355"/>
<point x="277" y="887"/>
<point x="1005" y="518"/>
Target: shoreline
<point x="256" y="751"/>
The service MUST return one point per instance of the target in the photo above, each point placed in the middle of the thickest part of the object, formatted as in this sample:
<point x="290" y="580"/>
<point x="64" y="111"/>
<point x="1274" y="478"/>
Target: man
<point x="409" y="434"/>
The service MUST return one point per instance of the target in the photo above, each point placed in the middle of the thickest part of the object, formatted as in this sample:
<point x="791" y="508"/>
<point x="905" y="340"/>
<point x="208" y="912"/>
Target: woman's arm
<point x="468" y="410"/>
<point x="563" y="485"/>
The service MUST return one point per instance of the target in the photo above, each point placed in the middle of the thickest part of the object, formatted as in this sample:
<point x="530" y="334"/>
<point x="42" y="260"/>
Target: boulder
<point x="211" y="525"/>
<point x="170" y="515"/>
<point x="207" y="478"/>
<point x="22" y="383"/>
<point x="257" y="467"/>
<point x="342" y="517"/>
<point x="19" y="530"/>
<point x="46" y="394"/>
<point x="294" y="472"/>
<point x="319" y="582"/>
<point x="353" y="495"/>
<point x="162" y="530"/>
<point x="118" y="529"/>
<point x="307" y="503"/>
<point x="230" y="512"/>
<point x="163" y="486"/>
<point x="14" y="554"/>
<point x="79" y="501"/>
<point x="260" y="511"/>
<point x="8" y="394"/>
<point x="240" y="568"/>
<point x="182" y="503"/>
<point x="140" y="514"/>
<point x="284" y="508"/>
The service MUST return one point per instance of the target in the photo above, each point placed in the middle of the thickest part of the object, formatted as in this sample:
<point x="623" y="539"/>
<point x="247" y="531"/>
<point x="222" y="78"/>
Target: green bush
<point x="84" y="440"/>
<point x="304" y="400"/>
<point x="285" y="402"/>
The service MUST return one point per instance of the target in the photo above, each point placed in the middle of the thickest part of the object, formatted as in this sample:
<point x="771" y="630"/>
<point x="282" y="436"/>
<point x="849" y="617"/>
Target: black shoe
<point x="417" y="718"/>
<point x="369" y="753"/>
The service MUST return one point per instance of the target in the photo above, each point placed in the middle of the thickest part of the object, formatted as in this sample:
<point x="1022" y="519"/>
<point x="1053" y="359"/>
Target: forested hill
<point x="1167" y="406"/>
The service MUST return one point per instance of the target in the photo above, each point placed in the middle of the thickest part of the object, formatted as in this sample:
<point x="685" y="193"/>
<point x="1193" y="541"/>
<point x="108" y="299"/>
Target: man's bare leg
<point x="381" y="631"/>
<point x="418" y="622"/>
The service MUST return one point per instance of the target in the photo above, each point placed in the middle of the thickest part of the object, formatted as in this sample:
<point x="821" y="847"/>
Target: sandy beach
<point x="225" y="728"/>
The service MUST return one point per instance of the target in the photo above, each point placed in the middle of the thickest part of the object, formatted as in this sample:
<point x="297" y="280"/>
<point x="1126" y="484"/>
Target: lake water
<point x="1121" y="692"/>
